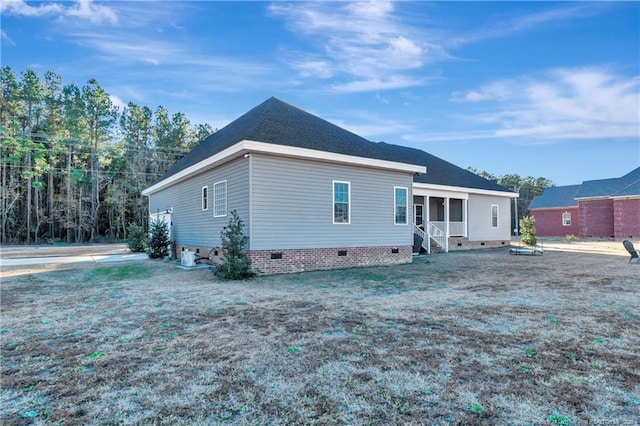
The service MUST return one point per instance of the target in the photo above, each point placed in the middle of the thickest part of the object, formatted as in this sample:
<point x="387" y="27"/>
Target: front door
<point x="418" y="214"/>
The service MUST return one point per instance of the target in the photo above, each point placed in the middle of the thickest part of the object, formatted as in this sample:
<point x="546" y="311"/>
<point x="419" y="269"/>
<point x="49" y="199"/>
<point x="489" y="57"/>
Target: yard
<point x="474" y="337"/>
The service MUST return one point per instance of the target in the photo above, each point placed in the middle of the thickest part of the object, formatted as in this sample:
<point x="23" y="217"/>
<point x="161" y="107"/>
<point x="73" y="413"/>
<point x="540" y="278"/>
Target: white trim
<point x="203" y="198"/>
<point x="406" y="206"/>
<point x="461" y="191"/>
<point x="247" y="146"/>
<point x="625" y="197"/>
<point x="250" y="157"/>
<point x="225" y="198"/>
<point x="497" y="206"/>
<point x="333" y="202"/>
<point x="563" y="220"/>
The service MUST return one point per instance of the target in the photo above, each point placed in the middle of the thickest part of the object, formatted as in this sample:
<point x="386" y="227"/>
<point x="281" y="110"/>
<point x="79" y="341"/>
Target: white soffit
<point x="456" y="191"/>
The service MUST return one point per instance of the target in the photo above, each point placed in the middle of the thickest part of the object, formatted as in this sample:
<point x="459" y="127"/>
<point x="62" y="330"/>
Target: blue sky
<point x="536" y="88"/>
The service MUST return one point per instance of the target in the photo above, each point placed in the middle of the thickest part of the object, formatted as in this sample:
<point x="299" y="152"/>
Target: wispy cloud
<point x="5" y="37"/>
<point x="559" y="104"/>
<point x="506" y="26"/>
<point x="364" y="44"/>
<point x="83" y="9"/>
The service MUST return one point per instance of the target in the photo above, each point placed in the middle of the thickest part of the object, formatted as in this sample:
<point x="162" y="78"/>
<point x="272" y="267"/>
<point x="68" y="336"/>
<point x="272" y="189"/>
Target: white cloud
<point x="117" y="102"/>
<point x="94" y="13"/>
<point x="375" y="84"/>
<point x="84" y="9"/>
<point x="4" y="36"/>
<point x="365" y="42"/>
<point x="504" y="27"/>
<point x="20" y="7"/>
<point x="560" y="104"/>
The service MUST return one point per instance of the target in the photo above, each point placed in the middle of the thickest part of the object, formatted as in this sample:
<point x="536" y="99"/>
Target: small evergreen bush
<point x="236" y="264"/>
<point x="136" y="238"/>
<point x="528" y="230"/>
<point x="158" y="239"/>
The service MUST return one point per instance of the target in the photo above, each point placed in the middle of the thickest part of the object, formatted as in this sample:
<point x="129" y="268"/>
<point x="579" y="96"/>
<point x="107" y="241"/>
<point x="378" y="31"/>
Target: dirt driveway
<point x="18" y="252"/>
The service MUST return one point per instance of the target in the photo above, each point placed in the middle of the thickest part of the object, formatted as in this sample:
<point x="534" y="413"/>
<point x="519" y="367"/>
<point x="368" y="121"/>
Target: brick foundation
<point x="300" y="260"/>
<point x="463" y="243"/>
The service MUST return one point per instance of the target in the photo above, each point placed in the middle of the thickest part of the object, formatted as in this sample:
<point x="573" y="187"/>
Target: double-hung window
<point x="494" y="215"/>
<point x="400" y="203"/>
<point x="341" y="202"/>
<point x="566" y="219"/>
<point x="220" y="199"/>
<point x="205" y="198"/>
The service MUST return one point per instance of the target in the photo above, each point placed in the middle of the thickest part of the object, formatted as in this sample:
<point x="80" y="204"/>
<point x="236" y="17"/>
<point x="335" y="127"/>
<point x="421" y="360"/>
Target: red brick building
<point x="605" y="208"/>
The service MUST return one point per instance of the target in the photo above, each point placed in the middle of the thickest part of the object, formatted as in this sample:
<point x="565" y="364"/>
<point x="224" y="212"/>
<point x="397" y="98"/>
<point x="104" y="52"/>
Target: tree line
<point x="73" y="165"/>
<point x="528" y="187"/>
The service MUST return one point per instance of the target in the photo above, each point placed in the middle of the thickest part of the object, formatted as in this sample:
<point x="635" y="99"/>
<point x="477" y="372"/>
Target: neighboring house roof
<point x="629" y="191"/>
<point x="608" y="187"/>
<point x="555" y="197"/>
<point x="277" y="122"/>
<point x="567" y="196"/>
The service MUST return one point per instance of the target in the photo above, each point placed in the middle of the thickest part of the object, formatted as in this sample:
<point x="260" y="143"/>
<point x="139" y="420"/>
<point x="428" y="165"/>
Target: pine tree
<point x="528" y="230"/>
<point x="236" y="265"/>
<point x="159" y="239"/>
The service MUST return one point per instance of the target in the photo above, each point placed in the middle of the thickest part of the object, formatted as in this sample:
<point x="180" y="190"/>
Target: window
<point x="494" y="215"/>
<point x="205" y="198"/>
<point x="341" y="198"/>
<point x="220" y="199"/>
<point x="566" y="219"/>
<point x="400" y="205"/>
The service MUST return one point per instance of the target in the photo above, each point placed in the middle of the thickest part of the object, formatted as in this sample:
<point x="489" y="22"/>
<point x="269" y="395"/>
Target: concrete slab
<point x="73" y="259"/>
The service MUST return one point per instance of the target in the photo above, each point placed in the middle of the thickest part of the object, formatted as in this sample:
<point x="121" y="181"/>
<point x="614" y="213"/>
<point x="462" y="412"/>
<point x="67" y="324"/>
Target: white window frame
<point x="497" y="215"/>
<point x="333" y="203"/>
<point x="205" y="198"/>
<point x="564" y="219"/>
<point x="219" y="205"/>
<point x="406" y="205"/>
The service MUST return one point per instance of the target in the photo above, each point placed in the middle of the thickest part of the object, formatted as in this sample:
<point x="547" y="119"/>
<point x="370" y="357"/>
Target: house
<point x="605" y="208"/>
<point x="315" y="196"/>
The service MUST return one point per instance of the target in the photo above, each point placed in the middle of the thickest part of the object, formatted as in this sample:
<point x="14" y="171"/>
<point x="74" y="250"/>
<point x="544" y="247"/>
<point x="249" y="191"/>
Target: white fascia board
<point x="622" y="197"/>
<point x="213" y="161"/>
<point x="464" y="190"/>
<point x="248" y="146"/>
<point x="318" y="155"/>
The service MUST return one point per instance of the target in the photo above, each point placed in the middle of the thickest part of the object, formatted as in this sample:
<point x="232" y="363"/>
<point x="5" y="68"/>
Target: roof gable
<point x="279" y="123"/>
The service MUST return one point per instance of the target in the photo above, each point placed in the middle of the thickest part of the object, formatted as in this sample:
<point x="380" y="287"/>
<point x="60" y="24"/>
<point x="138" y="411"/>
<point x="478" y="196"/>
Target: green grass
<point x="118" y="272"/>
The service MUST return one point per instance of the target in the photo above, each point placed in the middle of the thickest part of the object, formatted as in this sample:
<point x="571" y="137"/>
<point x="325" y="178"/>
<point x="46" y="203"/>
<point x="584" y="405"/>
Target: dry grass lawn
<point x="476" y="337"/>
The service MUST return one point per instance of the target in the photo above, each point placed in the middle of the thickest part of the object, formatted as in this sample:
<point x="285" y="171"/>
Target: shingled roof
<point x="609" y="187"/>
<point x="277" y="122"/>
<point x="567" y="196"/>
<point x="556" y="196"/>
